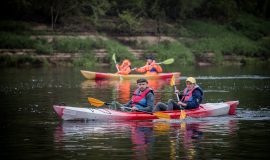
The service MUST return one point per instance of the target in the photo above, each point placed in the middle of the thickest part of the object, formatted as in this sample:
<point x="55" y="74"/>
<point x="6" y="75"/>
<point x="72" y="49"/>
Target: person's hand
<point x="134" y="108"/>
<point x="180" y="103"/>
<point x="176" y="91"/>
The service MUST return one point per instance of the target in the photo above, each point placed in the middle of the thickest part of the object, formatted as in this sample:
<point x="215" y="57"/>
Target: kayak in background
<point x="100" y="75"/>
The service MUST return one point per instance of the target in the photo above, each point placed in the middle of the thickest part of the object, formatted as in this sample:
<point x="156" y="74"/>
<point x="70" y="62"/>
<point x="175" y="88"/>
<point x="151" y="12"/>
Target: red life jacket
<point x="139" y="98"/>
<point x="187" y="94"/>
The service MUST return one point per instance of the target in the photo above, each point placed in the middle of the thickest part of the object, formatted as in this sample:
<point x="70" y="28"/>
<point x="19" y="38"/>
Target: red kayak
<point x="100" y="75"/>
<point x="205" y="110"/>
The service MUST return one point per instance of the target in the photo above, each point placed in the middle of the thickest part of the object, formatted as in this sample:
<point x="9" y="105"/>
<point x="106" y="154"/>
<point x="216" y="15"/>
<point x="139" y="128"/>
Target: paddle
<point x="183" y="112"/>
<point x="114" y="59"/>
<point x="98" y="103"/>
<point x="167" y="61"/>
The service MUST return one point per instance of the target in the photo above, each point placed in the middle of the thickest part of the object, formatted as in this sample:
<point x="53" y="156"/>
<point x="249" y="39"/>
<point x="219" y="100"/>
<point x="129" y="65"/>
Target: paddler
<point x="151" y="67"/>
<point x="124" y="68"/>
<point x="142" y="98"/>
<point x="190" y="99"/>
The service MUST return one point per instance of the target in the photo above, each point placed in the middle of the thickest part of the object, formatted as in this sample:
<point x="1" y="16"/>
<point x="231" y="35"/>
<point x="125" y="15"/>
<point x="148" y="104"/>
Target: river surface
<point x="31" y="130"/>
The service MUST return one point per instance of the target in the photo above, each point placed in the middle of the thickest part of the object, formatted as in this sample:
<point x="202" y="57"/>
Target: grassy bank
<point x="195" y="40"/>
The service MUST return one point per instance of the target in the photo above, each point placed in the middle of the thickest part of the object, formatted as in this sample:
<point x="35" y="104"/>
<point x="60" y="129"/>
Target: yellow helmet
<point x="191" y="80"/>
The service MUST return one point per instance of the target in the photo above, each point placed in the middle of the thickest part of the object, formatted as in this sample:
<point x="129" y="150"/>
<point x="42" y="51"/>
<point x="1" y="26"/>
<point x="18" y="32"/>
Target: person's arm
<point x="150" y="102"/>
<point x="128" y="104"/>
<point x="158" y="68"/>
<point x="196" y="99"/>
<point x="180" y="96"/>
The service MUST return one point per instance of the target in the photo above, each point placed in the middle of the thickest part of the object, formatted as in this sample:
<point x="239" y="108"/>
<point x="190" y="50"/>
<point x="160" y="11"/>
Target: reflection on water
<point x="145" y="139"/>
<point x="30" y="128"/>
<point x="122" y="90"/>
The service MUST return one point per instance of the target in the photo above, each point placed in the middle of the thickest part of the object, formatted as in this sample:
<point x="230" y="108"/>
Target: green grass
<point x="11" y="41"/>
<point x="176" y="50"/>
<point x="87" y="60"/>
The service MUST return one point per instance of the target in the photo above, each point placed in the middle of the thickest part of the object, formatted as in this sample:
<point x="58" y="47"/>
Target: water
<point x="31" y="130"/>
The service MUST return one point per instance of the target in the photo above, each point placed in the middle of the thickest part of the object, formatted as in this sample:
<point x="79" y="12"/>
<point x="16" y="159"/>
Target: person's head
<point x="149" y="58"/>
<point x="190" y="82"/>
<point x="126" y="62"/>
<point x="142" y="84"/>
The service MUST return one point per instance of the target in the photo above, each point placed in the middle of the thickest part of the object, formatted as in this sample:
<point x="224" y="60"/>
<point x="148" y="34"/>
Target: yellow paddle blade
<point x="95" y="102"/>
<point x="162" y="115"/>
<point x="168" y="61"/>
<point x="172" y="82"/>
<point x="113" y="58"/>
<point x="183" y="114"/>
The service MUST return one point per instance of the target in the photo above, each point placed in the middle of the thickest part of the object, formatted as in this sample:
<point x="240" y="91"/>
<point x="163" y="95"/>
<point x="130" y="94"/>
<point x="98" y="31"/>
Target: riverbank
<point x="195" y="42"/>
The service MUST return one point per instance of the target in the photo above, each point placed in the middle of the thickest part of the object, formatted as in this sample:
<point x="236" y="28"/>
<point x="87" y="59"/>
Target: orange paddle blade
<point x="161" y="115"/>
<point x="183" y="114"/>
<point x="95" y="102"/>
<point x="172" y="82"/>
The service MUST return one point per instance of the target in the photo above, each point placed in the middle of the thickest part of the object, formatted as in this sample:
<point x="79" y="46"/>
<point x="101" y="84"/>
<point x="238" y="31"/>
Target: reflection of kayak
<point x="99" y="75"/>
<point x="205" y="110"/>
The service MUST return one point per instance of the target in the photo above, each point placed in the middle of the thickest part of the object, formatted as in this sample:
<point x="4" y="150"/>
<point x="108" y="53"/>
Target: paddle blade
<point x="161" y="115"/>
<point x="183" y="114"/>
<point x="95" y="102"/>
<point x="172" y="82"/>
<point x="113" y="58"/>
<point x="168" y="61"/>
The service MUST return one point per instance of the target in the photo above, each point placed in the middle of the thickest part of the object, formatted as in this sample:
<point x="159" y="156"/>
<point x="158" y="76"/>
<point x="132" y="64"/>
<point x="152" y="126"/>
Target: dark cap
<point x="150" y="57"/>
<point x="141" y="80"/>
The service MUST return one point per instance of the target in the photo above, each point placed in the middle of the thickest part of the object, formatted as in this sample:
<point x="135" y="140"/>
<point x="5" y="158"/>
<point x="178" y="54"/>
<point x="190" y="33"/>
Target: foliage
<point x="121" y="51"/>
<point x="176" y="50"/>
<point x="251" y="26"/>
<point x="73" y="44"/>
<point x="10" y="41"/>
<point x="128" y="22"/>
<point x="87" y="60"/>
<point x="43" y="47"/>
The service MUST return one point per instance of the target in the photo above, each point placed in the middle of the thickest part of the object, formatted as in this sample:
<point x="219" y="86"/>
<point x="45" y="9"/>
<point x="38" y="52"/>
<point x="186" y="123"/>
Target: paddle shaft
<point x="168" y="61"/>
<point x="137" y="110"/>
<point x="113" y="58"/>
<point x="174" y="86"/>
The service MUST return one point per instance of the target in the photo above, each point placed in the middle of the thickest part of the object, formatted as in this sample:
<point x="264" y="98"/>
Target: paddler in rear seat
<point x="151" y="67"/>
<point x="124" y="68"/>
<point x="190" y="99"/>
<point x="142" y="98"/>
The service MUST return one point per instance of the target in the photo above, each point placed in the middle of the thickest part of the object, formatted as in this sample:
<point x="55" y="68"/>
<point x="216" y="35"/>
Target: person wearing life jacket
<point x="142" y="98"/>
<point x="190" y="99"/>
<point x="151" y="67"/>
<point x="124" y="68"/>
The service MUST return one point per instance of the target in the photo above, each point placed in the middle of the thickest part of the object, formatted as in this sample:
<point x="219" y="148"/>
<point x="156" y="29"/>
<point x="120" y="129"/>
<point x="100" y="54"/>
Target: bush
<point x="87" y="60"/>
<point x="121" y="51"/>
<point x="14" y="41"/>
<point x="43" y="47"/>
<point x="176" y="50"/>
<point x="251" y="26"/>
<point x="72" y="45"/>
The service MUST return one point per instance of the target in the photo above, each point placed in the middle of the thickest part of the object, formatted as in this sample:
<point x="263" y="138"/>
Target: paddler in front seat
<point x="142" y="98"/>
<point x="151" y="67"/>
<point x="124" y="68"/>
